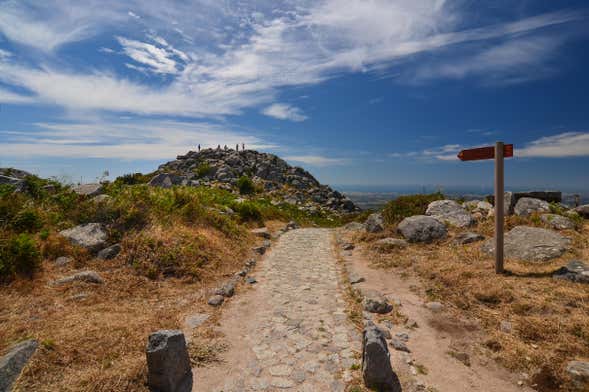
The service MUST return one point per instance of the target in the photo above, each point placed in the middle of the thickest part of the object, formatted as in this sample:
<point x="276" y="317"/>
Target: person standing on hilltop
<point x="242" y="147"/>
<point x="218" y="147"/>
<point x="199" y="148"/>
<point x="225" y="148"/>
<point x="237" y="147"/>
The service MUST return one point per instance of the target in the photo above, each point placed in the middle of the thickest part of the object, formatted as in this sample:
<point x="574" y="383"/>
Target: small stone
<point x="468" y="238"/>
<point x="391" y="243"/>
<point x="505" y="326"/>
<point x="109" y="253"/>
<point x="262" y="232"/>
<point x="434" y="306"/>
<point x="227" y="290"/>
<point x="399" y="345"/>
<point x="403" y="336"/>
<point x="374" y="223"/>
<point x="377" y="305"/>
<point x="251" y="280"/>
<point x="216" y="300"/>
<point x="84" y="276"/>
<point x="168" y="363"/>
<point x="259" y="250"/>
<point x="348" y="246"/>
<point x="12" y="364"/>
<point x="355" y="278"/>
<point x="63" y="260"/>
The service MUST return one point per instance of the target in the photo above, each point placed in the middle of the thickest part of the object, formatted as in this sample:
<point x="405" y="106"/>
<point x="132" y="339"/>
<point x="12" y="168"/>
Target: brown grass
<point x="97" y="343"/>
<point x="550" y="317"/>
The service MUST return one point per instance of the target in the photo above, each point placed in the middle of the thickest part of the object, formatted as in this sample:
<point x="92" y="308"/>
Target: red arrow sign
<point x="477" y="154"/>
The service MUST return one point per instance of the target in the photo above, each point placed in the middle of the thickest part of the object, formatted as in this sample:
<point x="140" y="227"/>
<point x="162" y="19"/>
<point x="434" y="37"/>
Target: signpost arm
<point x="499" y="207"/>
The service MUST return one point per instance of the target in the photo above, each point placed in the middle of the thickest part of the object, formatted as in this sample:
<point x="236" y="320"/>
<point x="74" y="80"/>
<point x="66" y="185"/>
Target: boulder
<point x="377" y="304"/>
<point x="468" y="238"/>
<point x="12" y="364"/>
<point x="168" y="363"/>
<point x="216" y="300"/>
<point x="89" y="189"/>
<point x="354" y="226"/>
<point x="421" y="228"/>
<point x="391" y="243"/>
<point x="166" y="180"/>
<point x="451" y="212"/>
<point x="583" y="210"/>
<point x="109" y="253"/>
<point x="261" y="232"/>
<point x="84" y="276"/>
<point x="558" y="222"/>
<point x="227" y="290"/>
<point x="63" y="260"/>
<point x="376" y="364"/>
<point x="374" y="223"/>
<point x="578" y="371"/>
<point x="91" y="236"/>
<point x="527" y="206"/>
<point x="530" y="244"/>
<point x="575" y="271"/>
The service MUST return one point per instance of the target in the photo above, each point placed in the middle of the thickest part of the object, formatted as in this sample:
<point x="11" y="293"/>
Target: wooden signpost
<point x="499" y="152"/>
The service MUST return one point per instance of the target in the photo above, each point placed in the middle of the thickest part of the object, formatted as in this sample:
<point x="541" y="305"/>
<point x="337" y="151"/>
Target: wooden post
<point x="499" y="207"/>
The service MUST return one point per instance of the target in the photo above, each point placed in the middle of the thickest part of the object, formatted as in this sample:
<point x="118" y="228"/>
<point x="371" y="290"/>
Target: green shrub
<point x="27" y="221"/>
<point x="18" y="255"/>
<point x="406" y="206"/>
<point x="132" y="179"/>
<point x="245" y="185"/>
<point x="248" y="211"/>
<point x="6" y="189"/>
<point x="203" y="170"/>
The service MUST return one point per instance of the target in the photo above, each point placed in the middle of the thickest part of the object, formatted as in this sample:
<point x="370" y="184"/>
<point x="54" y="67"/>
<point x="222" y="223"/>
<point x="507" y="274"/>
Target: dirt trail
<point x="290" y="331"/>
<point x="437" y="334"/>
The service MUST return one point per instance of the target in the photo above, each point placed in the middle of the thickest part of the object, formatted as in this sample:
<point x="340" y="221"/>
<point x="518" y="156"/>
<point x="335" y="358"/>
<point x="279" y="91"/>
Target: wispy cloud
<point x="156" y="59"/>
<point x="316" y="160"/>
<point x="284" y="112"/>
<point x="568" y="144"/>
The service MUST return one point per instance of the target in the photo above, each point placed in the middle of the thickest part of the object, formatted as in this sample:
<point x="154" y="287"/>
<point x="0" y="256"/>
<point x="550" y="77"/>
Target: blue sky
<point x="375" y="92"/>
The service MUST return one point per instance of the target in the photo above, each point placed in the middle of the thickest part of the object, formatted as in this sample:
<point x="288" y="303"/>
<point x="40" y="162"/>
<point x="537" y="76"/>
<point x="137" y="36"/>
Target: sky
<point x="359" y="92"/>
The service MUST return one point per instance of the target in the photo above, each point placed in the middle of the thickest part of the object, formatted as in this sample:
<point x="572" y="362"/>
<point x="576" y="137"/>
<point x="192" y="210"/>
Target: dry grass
<point x="93" y="337"/>
<point x="550" y="317"/>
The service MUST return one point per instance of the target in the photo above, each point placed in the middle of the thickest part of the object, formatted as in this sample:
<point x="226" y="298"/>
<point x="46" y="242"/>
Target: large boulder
<point x="168" y="363"/>
<point x="91" y="236"/>
<point x="376" y="364"/>
<point x="12" y="364"/>
<point x="530" y="244"/>
<point x="166" y="180"/>
<point x="527" y="206"/>
<point x="451" y="212"/>
<point x="558" y="222"/>
<point x="89" y="189"/>
<point x="374" y="223"/>
<point x="421" y="228"/>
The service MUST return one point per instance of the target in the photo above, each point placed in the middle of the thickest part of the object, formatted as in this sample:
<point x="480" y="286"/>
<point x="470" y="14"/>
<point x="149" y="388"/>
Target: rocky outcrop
<point x="168" y="363"/>
<point x="527" y="206"/>
<point x="421" y="228"/>
<point x="530" y="244"/>
<point x="91" y="236"/>
<point x="12" y="364"/>
<point x="451" y="212"/>
<point x="284" y="183"/>
<point x="88" y="189"/>
<point x="558" y="222"/>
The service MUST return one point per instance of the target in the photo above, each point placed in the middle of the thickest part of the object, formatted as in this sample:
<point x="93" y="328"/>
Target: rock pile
<point x="223" y="168"/>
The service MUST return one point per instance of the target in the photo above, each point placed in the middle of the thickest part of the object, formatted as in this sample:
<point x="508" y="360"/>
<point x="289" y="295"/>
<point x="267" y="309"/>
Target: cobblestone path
<point x="290" y="332"/>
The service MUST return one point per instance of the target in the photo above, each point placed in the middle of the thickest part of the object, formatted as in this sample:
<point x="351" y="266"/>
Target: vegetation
<point x="245" y="185"/>
<point x="409" y="205"/>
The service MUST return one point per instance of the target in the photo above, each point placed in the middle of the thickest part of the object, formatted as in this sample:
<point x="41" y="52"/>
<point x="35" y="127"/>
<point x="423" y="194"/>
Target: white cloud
<point x="10" y="97"/>
<point x="153" y="140"/>
<point x="158" y="60"/>
<point x="568" y="144"/>
<point x="284" y="112"/>
<point x="316" y="160"/>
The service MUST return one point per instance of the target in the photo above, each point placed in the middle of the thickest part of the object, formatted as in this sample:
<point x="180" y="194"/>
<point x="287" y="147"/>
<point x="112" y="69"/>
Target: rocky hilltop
<point x="282" y="182"/>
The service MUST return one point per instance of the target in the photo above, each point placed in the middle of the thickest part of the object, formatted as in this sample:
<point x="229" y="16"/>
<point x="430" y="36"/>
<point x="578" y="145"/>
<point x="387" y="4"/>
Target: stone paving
<point x="300" y="338"/>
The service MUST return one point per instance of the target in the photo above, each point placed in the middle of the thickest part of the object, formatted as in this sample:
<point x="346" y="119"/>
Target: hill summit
<point x="281" y="181"/>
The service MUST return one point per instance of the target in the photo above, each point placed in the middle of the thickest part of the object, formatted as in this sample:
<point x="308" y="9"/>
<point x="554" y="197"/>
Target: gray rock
<point x="421" y="228"/>
<point x="83" y="276"/>
<point x="583" y="210"/>
<point x="355" y="278"/>
<point x="376" y="366"/>
<point x="374" y="223"/>
<point x="468" y="238"/>
<point x="575" y="271"/>
<point x="403" y="336"/>
<point x="399" y="345"/>
<point x="251" y="280"/>
<point x="168" y="363"/>
<point x="451" y="212"/>
<point x="227" y="290"/>
<point x="505" y="326"/>
<point x="261" y="232"/>
<point x="548" y="196"/>
<point x="530" y="244"/>
<point x="377" y="304"/>
<point x="292" y="225"/>
<point x="91" y="236"/>
<point x="527" y="206"/>
<point x="166" y="180"/>
<point x="109" y="253"/>
<point x="391" y="243"/>
<point x="216" y="300"/>
<point x="435" y="307"/>
<point x="267" y="244"/>
<point x="354" y="226"/>
<point x="63" y="260"/>
<point x="348" y="246"/>
<point x="578" y="371"/>
<point x="259" y="250"/>
<point x="12" y="364"/>
<point x="196" y="320"/>
<point x="558" y="222"/>
<point x="508" y="203"/>
<point x="89" y="189"/>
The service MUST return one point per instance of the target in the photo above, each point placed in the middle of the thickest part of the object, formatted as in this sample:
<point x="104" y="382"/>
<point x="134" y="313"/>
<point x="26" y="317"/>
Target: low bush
<point x="18" y="255"/>
<point x="406" y="206"/>
<point x="245" y="185"/>
<point x="248" y="211"/>
<point x="27" y="220"/>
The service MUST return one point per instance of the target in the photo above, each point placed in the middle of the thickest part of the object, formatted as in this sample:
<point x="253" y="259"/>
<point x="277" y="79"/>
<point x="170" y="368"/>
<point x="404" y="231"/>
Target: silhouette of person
<point x="199" y="148"/>
<point x="218" y="146"/>
<point x="237" y="147"/>
<point x="242" y="147"/>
